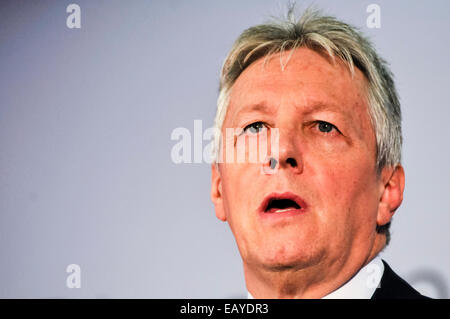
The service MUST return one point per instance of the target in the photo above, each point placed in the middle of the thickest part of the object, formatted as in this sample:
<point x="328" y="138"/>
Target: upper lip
<point x="278" y="196"/>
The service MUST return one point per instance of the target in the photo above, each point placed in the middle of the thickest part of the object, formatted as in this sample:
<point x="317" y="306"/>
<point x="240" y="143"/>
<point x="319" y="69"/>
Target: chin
<point x="286" y="265"/>
<point x="289" y="258"/>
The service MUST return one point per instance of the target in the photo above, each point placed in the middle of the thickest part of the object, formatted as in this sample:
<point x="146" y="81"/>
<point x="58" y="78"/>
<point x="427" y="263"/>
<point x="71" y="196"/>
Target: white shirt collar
<point x="363" y="284"/>
<point x="360" y="286"/>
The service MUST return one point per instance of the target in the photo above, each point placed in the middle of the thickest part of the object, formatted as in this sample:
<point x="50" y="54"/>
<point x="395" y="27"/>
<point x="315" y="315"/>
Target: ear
<point x="216" y="192"/>
<point x="391" y="193"/>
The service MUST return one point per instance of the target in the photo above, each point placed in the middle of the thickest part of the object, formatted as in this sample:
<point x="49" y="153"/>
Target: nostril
<point x="291" y="161"/>
<point x="273" y="163"/>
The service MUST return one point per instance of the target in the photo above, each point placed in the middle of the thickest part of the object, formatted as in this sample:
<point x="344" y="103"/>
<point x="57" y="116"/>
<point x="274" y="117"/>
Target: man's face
<point x="330" y="167"/>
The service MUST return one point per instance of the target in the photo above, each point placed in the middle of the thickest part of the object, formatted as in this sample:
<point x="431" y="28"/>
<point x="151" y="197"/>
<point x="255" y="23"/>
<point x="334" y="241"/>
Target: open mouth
<point x="279" y="203"/>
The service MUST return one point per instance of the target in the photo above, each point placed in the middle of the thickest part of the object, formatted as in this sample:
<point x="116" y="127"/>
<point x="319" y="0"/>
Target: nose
<point x="289" y="153"/>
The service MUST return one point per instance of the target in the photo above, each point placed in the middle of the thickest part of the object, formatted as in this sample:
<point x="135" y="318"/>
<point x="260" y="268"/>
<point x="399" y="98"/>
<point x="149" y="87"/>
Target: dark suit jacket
<point x="394" y="287"/>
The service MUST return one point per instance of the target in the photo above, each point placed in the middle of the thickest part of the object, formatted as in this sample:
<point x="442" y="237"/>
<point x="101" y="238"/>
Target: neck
<point x="311" y="282"/>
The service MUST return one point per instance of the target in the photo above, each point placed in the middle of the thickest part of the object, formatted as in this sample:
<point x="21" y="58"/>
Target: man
<point x="311" y="217"/>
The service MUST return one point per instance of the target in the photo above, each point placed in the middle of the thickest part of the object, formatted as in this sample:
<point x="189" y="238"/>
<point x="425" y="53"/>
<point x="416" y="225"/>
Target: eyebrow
<point x="321" y="106"/>
<point x="264" y="108"/>
<point x="260" y="107"/>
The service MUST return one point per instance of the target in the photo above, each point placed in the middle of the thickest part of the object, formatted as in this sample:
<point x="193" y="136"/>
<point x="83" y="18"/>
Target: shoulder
<point x="393" y="286"/>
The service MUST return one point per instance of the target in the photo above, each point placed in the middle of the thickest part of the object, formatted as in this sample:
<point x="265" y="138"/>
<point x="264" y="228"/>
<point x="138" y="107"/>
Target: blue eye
<point x="254" y="128"/>
<point x="325" y="127"/>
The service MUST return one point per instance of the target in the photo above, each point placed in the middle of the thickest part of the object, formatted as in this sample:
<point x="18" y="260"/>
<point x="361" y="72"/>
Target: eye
<point x="325" y="127"/>
<point x="254" y="128"/>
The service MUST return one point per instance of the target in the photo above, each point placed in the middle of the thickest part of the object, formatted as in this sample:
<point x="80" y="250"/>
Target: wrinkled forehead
<point x="298" y="70"/>
<point x="303" y="77"/>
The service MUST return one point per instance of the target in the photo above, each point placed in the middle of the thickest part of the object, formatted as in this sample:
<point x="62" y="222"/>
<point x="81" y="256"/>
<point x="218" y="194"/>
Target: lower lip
<point x="283" y="213"/>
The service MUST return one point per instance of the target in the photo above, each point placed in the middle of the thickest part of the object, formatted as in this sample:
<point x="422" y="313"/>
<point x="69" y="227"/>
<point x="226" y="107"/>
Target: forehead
<point x="308" y="78"/>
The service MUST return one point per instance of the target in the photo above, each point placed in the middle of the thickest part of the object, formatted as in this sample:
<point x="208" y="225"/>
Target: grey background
<point x="86" y="116"/>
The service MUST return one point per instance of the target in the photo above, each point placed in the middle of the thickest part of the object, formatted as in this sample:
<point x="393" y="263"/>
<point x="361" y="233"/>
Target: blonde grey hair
<point x="324" y="34"/>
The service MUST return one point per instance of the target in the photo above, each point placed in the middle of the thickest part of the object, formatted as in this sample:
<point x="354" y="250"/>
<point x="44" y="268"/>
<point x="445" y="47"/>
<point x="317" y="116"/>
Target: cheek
<point x="238" y="182"/>
<point x="344" y="189"/>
